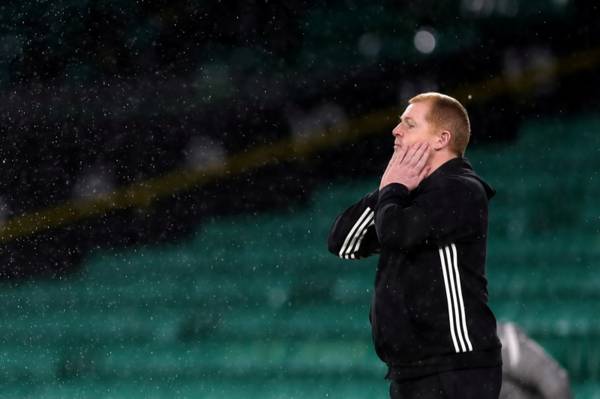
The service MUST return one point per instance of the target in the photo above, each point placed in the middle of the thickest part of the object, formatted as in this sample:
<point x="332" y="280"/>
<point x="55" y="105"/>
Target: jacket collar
<point x="453" y="166"/>
<point x="462" y="167"/>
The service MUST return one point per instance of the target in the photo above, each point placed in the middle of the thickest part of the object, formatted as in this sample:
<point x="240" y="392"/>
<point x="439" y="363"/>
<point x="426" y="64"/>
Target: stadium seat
<point x="255" y="306"/>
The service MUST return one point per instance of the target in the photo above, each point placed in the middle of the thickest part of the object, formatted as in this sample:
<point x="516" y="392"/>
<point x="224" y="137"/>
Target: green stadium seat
<point x="255" y="306"/>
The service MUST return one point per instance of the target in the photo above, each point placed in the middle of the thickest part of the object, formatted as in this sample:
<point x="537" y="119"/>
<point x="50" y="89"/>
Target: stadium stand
<point x="253" y="306"/>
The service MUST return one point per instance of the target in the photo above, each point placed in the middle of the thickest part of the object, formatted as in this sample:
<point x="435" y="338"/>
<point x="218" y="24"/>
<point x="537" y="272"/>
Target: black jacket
<point x="429" y="311"/>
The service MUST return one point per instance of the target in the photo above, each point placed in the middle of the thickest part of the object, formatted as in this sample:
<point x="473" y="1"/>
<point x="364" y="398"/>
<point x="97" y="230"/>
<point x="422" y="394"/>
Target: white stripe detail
<point x="363" y="230"/>
<point x="460" y="299"/>
<point x="454" y="300"/>
<point x="512" y="343"/>
<point x="450" y="316"/>
<point x="364" y="233"/>
<point x="352" y="232"/>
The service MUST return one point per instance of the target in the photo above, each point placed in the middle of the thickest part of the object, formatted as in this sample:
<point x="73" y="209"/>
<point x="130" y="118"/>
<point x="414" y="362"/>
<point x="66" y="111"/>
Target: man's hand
<point x="408" y="166"/>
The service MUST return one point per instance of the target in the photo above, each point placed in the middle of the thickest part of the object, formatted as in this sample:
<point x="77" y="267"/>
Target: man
<point x="430" y="321"/>
<point x="528" y="371"/>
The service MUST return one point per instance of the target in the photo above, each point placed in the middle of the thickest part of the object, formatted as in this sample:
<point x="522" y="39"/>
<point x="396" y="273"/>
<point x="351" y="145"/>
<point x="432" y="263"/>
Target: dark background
<point x="98" y="95"/>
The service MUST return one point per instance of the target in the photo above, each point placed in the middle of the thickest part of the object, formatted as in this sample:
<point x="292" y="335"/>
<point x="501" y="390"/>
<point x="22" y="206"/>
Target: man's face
<point x="413" y="127"/>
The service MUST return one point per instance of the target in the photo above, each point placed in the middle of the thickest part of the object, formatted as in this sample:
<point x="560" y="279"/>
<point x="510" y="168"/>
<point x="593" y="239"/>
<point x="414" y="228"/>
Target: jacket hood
<point x="463" y="167"/>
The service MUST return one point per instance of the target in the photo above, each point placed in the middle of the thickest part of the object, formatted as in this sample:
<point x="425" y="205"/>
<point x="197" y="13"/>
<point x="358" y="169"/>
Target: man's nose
<point x="397" y="131"/>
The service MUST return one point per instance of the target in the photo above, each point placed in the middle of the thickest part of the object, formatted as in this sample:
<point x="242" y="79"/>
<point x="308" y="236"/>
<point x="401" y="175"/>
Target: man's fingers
<point x="411" y="151"/>
<point x="400" y="155"/>
<point x="422" y="157"/>
<point x="408" y="165"/>
<point x="422" y="165"/>
<point x="393" y="159"/>
<point x="419" y="150"/>
<point x="424" y="172"/>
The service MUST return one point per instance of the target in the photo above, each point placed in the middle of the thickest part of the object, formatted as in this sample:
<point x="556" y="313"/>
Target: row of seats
<point x="219" y="387"/>
<point x="254" y="306"/>
<point x="169" y="315"/>
<point x="263" y="278"/>
<point x="230" y="357"/>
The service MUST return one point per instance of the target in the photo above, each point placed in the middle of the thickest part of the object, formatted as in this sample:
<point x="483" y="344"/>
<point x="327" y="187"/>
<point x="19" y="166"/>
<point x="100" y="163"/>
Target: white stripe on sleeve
<point x="454" y="299"/>
<point x="449" y="301"/>
<point x="460" y="299"/>
<point x="358" y="236"/>
<point x="362" y="235"/>
<point x="353" y="230"/>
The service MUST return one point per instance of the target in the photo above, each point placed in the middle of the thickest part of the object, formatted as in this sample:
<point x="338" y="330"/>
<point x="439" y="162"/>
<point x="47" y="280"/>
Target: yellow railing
<point x="144" y="193"/>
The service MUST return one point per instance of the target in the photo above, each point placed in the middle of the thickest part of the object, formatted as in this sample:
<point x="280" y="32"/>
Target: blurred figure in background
<point x="528" y="372"/>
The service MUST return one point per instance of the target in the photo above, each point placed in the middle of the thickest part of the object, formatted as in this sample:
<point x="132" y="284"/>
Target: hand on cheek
<point x="408" y="166"/>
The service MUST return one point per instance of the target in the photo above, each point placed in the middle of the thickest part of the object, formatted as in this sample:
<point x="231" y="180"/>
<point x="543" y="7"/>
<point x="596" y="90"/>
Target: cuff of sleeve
<point x="394" y="193"/>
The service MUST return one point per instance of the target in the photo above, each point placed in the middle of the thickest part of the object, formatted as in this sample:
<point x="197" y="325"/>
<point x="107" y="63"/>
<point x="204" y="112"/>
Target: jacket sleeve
<point x="353" y="235"/>
<point x="440" y="214"/>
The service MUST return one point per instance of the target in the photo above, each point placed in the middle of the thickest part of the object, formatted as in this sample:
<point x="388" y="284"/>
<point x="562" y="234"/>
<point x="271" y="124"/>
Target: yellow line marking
<point x="142" y="194"/>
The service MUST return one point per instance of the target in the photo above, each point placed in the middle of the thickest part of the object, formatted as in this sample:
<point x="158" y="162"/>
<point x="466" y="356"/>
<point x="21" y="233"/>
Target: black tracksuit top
<point x="429" y="311"/>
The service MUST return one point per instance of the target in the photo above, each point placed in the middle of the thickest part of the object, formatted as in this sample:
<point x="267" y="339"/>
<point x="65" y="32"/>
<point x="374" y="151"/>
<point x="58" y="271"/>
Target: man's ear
<point x="443" y="140"/>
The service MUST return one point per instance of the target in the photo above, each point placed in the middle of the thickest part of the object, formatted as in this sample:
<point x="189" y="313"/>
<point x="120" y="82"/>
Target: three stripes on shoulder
<point x="353" y="240"/>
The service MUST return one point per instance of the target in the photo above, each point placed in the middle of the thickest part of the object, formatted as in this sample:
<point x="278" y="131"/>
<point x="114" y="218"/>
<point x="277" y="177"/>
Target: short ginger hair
<point x="449" y="114"/>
